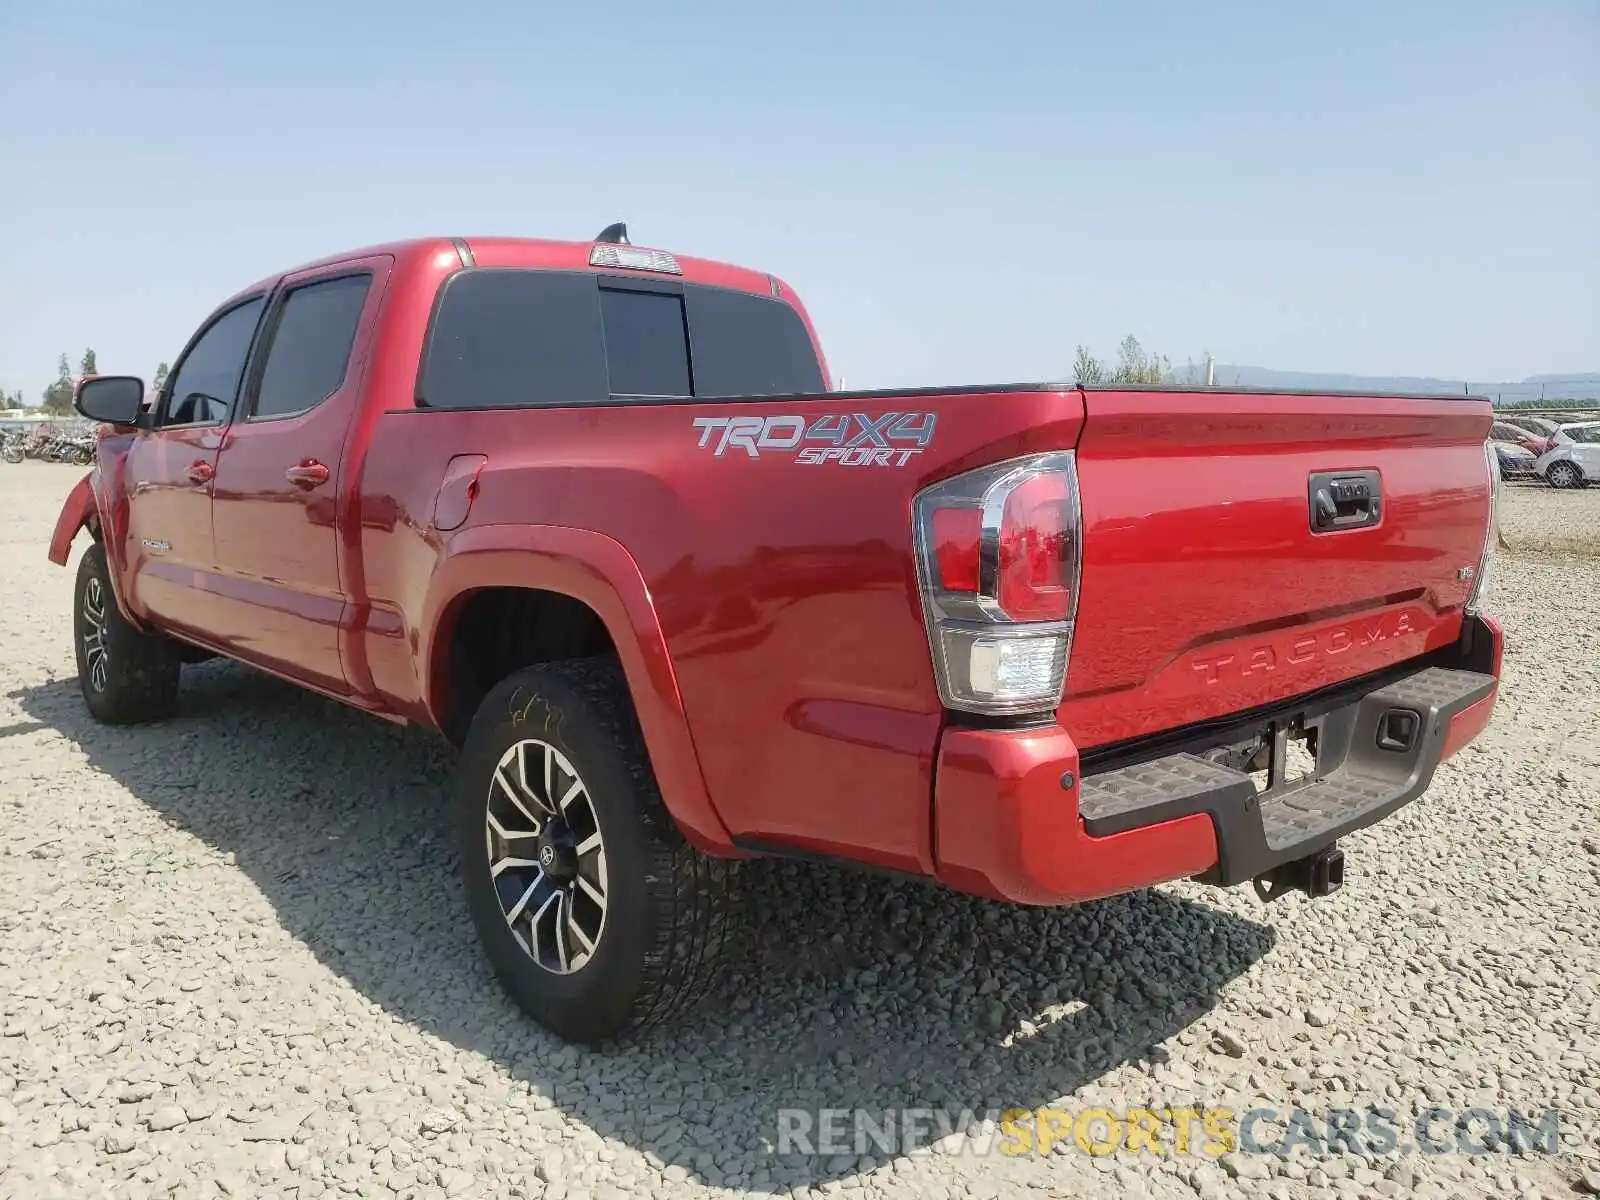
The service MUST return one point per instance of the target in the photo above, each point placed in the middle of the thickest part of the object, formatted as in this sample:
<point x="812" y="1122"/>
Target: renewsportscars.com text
<point x="1204" y="1132"/>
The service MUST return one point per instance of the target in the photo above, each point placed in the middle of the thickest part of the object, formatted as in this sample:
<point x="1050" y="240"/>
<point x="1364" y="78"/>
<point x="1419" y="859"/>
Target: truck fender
<point x="597" y="571"/>
<point x="77" y="511"/>
<point x="81" y="510"/>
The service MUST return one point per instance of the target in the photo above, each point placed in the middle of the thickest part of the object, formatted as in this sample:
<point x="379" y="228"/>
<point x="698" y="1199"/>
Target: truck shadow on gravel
<point x="858" y="991"/>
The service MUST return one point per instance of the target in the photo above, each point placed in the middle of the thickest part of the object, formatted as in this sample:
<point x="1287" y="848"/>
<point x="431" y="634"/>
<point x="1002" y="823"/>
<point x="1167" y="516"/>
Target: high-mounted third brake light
<point x="998" y="560"/>
<point x="609" y="254"/>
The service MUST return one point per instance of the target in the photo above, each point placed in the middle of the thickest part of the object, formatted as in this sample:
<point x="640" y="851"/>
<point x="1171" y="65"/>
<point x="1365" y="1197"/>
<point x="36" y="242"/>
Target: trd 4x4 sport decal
<point x="857" y="440"/>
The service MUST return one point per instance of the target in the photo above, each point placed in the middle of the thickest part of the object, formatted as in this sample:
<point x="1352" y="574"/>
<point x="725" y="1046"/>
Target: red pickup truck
<point x="594" y="513"/>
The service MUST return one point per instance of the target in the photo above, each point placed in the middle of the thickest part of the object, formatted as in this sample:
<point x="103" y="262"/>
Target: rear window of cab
<point x="518" y="338"/>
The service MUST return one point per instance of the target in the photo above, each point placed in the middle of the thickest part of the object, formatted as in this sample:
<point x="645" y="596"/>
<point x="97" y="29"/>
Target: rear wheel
<point x="596" y="915"/>
<point x="126" y="676"/>
<point x="1564" y="475"/>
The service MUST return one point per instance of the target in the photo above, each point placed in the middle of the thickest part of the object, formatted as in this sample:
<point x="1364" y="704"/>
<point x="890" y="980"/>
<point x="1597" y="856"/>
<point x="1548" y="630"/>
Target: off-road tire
<point x="669" y="926"/>
<point x="139" y="682"/>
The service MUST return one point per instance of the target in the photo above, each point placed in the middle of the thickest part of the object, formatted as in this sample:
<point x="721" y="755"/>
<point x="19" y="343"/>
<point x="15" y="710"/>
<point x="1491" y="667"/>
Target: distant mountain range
<point x="1576" y="385"/>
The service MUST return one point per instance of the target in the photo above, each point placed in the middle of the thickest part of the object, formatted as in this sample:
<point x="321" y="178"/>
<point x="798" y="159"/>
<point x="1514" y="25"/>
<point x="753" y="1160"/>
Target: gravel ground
<point x="234" y="960"/>
<point x="1537" y="519"/>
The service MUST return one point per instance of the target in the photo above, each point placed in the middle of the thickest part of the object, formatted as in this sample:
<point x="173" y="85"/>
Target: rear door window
<point x="311" y="343"/>
<point x="512" y="338"/>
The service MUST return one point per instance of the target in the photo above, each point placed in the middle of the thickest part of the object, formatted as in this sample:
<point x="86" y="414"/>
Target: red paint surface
<point x="75" y="513"/>
<point x="1007" y="829"/>
<point x="766" y="613"/>
<point x="1204" y="589"/>
<point x="1467" y="724"/>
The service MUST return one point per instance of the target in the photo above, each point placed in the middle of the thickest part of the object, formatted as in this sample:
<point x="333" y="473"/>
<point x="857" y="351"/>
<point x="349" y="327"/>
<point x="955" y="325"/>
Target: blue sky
<point x="961" y="191"/>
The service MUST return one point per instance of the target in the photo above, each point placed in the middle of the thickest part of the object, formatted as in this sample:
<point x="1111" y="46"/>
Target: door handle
<point x="201" y="472"/>
<point x="308" y="474"/>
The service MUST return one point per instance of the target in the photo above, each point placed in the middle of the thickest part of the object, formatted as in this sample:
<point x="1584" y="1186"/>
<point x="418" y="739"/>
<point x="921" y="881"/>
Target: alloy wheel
<point x="1563" y="475"/>
<point x="95" y="653"/>
<point x="547" y="858"/>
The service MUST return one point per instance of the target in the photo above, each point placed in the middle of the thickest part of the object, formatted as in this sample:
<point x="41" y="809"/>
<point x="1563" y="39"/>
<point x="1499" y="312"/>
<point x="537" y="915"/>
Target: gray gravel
<point x="1537" y="519"/>
<point x="234" y="961"/>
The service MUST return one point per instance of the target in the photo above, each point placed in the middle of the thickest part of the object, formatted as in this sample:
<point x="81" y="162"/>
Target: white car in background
<point x="1574" y="460"/>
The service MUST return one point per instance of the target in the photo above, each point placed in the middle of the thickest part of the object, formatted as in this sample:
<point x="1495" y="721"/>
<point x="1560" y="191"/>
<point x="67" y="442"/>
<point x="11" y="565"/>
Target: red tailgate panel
<point x="1205" y="591"/>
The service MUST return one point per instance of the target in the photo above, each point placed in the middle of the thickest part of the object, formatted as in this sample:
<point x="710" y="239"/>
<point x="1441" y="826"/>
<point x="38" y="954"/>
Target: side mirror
<point x="114" y="399"/>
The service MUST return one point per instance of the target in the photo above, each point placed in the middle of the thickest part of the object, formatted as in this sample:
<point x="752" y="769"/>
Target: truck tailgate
<point x="1205" y="589"/>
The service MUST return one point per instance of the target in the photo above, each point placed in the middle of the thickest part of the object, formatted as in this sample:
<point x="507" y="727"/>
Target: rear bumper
<point x="1014" y="819"/>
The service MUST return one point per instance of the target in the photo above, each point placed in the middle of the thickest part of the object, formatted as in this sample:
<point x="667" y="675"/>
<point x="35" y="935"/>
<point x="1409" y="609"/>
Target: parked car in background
<point x="1539" y="426"/>
<point x="1534" y="443"/>
<point x="1516" y="462"/>
<point x="1574" y="460"/>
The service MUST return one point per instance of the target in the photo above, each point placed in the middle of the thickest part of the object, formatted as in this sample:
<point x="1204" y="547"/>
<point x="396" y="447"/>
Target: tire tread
<point x="691" y="921"/>
<point x="145" y="668"/>
<point x="694" y="927"/>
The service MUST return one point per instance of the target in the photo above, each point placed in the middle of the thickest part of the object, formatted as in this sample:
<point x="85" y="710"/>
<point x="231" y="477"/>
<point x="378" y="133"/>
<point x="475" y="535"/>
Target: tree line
<point x="1134" y="365"/>
<point x="1537" y="402"/>
<point x="56" y="398"/>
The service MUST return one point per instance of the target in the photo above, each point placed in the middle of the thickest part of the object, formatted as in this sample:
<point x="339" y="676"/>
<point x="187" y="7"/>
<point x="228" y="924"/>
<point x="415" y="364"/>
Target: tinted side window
<point x="311" y="344"/>
<point x="504" y="338"/>
<point x="206" y="383"/>
<point x="747" y="345"/>
<point x="647" y="350"/>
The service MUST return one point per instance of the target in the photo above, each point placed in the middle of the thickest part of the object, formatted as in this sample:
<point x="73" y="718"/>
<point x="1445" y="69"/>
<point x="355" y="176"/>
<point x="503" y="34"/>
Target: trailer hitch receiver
<point x="1319" y="874"/>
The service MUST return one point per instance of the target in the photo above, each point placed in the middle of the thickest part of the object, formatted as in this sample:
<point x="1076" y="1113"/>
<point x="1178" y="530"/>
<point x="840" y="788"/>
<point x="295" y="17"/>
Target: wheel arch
<point x="79" y="511"/>
<point x="577" y="577"/>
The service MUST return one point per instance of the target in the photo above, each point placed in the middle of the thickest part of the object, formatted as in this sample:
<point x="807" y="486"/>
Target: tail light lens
<point x="1480" y="584"/>
<point x="955" y="540"/>
<point x="1037" y="568"/>
<point x="998" y="554"/>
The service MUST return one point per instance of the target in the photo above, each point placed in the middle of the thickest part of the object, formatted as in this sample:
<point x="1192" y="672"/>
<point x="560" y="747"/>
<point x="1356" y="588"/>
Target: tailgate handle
<point x="1343" y="500"/>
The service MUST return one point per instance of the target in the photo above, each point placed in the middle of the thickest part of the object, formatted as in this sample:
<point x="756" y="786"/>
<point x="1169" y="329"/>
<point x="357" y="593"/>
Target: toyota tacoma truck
<point x="595" y="514"/>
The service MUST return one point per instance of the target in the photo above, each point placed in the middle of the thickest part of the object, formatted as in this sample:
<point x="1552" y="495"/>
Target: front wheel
<point x="126" y="676"/>
<point x="598" y="918"/>
<point x="1564" y="475"/>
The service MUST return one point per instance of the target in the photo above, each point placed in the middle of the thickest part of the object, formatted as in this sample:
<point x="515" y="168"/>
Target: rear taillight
<point x="998" y="553"/>
<point x="1038" y="531"/>
<point x="1480" y="585"/>
<point x="955" y="547"/>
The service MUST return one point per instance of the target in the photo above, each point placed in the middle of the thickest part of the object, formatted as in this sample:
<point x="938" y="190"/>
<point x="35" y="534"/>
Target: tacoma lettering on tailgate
<point x="857" y="440"/>
<point x="1337" y="639"/>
